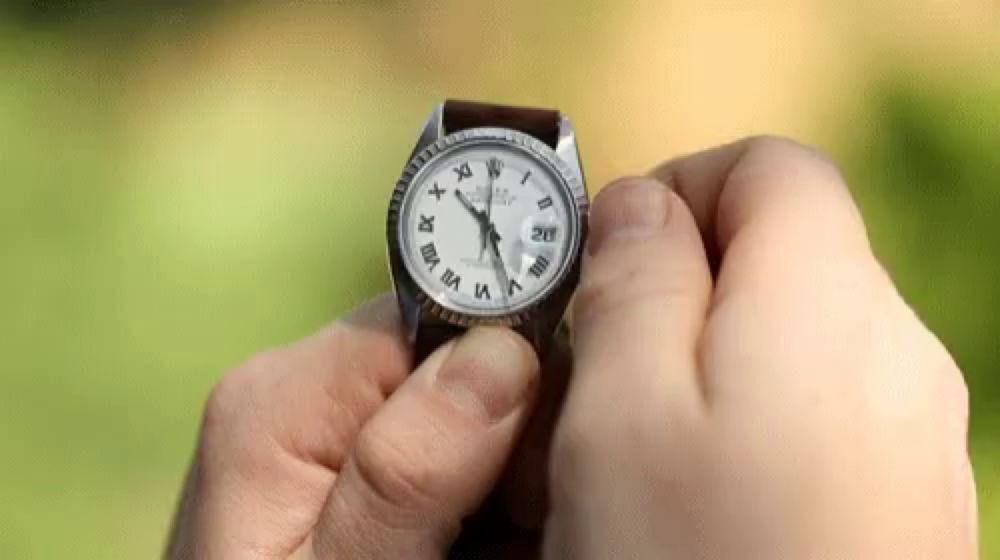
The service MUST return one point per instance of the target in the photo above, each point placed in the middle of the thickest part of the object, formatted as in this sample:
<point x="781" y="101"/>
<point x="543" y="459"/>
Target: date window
<point x="544" y="233"/>
<point x="540" y="230"/>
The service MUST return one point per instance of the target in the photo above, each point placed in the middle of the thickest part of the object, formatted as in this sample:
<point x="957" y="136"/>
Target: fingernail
<point x="632" y="207"/>
<point x="491" y="372"/>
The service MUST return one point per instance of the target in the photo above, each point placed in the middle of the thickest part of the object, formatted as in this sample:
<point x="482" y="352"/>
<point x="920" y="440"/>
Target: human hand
<point x="790" y="405"/>
<point x="330" y="449"/>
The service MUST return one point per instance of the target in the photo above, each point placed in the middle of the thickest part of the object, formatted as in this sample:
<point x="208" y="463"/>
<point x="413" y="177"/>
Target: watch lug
<point x="405" y="291"/>
<point x="431" y="132"/>
<point x="566" y="147"/>
<point x="409" y="309"/>
<point x="403" y="285"/>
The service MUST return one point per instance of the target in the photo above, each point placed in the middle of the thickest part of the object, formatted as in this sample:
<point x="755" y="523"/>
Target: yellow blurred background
<point x="185" y="183"/>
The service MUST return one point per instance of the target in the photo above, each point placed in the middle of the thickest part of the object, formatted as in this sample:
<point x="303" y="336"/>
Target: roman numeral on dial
<point x="430" y="254"/>
<point x="539" y="267"/>
<point x="514" y="286"/>
<point x="482" y="291"/>
<point x="450" y="279"/>
<point x="426" y="224"/>
<point x="463" y="171"/>
<point x="437" y="192"/>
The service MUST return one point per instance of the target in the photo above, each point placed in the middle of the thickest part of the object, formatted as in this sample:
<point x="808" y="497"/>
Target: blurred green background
<point x="185" y="183"/>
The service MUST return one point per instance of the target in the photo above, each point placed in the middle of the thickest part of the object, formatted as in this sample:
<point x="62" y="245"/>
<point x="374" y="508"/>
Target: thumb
<point x="639" y="312"/>
<point x="643" y="296"/>
<point x="432" y="453"/>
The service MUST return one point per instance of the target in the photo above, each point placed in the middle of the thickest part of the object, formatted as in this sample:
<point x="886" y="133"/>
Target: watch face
<point x="488" y="225"/>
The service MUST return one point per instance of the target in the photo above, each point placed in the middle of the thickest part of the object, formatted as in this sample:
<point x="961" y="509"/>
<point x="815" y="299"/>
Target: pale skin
<point x="747" y="383"/>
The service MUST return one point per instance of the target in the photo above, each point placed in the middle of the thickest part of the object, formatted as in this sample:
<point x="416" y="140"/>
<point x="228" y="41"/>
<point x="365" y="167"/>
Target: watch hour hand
<point x="479" y="215"/>
<point x="467" y="204"/>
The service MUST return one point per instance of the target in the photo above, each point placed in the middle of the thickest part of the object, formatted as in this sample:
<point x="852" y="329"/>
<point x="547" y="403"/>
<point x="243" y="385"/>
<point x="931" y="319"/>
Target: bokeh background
<point x="184" y="183"/>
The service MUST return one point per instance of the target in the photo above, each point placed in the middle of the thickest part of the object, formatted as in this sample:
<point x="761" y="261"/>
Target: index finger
<point x="311" y="396"/>
<point x="277" y="429"/>
<point x="796" y="279"/>
<point x="766" y="207"/>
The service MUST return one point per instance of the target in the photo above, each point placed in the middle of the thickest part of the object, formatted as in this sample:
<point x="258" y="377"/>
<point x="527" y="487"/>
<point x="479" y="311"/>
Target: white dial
<point x="487" y="229"/>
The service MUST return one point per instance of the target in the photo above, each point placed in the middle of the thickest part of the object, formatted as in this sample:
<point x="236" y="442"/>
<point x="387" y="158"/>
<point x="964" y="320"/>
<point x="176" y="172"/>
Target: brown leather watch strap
<point x="543" y="124"/>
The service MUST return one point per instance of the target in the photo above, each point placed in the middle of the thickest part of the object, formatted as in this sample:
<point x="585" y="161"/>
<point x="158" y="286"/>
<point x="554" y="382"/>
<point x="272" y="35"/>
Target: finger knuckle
<point x="600" y="294"/>
<point x="635" y="275"/>
<point x="959" y="391"/>
<point x="774" y="143"/>
<point x="392" y="471"/>
<point x="235" y="392"/>
<point x="953" y="386"/>
<point x="787" y="148"/>
<point x="778" y="176"/>
<point x="793" y="159"/>
<point x="595" y="292"/>
<point x="947" y="387"/>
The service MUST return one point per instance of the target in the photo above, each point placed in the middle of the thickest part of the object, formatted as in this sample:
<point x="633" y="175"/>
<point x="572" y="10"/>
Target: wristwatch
<point x="487" y="223"/>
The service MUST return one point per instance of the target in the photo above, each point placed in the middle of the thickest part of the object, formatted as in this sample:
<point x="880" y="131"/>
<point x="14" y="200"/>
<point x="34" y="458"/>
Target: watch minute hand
<point x="498" y="264"/>
<point x="489" y="200"/>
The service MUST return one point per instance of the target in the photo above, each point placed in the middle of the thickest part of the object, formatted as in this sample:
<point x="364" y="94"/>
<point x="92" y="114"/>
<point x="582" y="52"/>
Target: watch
<point x="487" y="223"/>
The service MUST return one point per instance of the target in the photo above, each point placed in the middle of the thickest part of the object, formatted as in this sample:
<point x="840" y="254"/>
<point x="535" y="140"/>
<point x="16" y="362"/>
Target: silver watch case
<point x="539" y="319"/>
